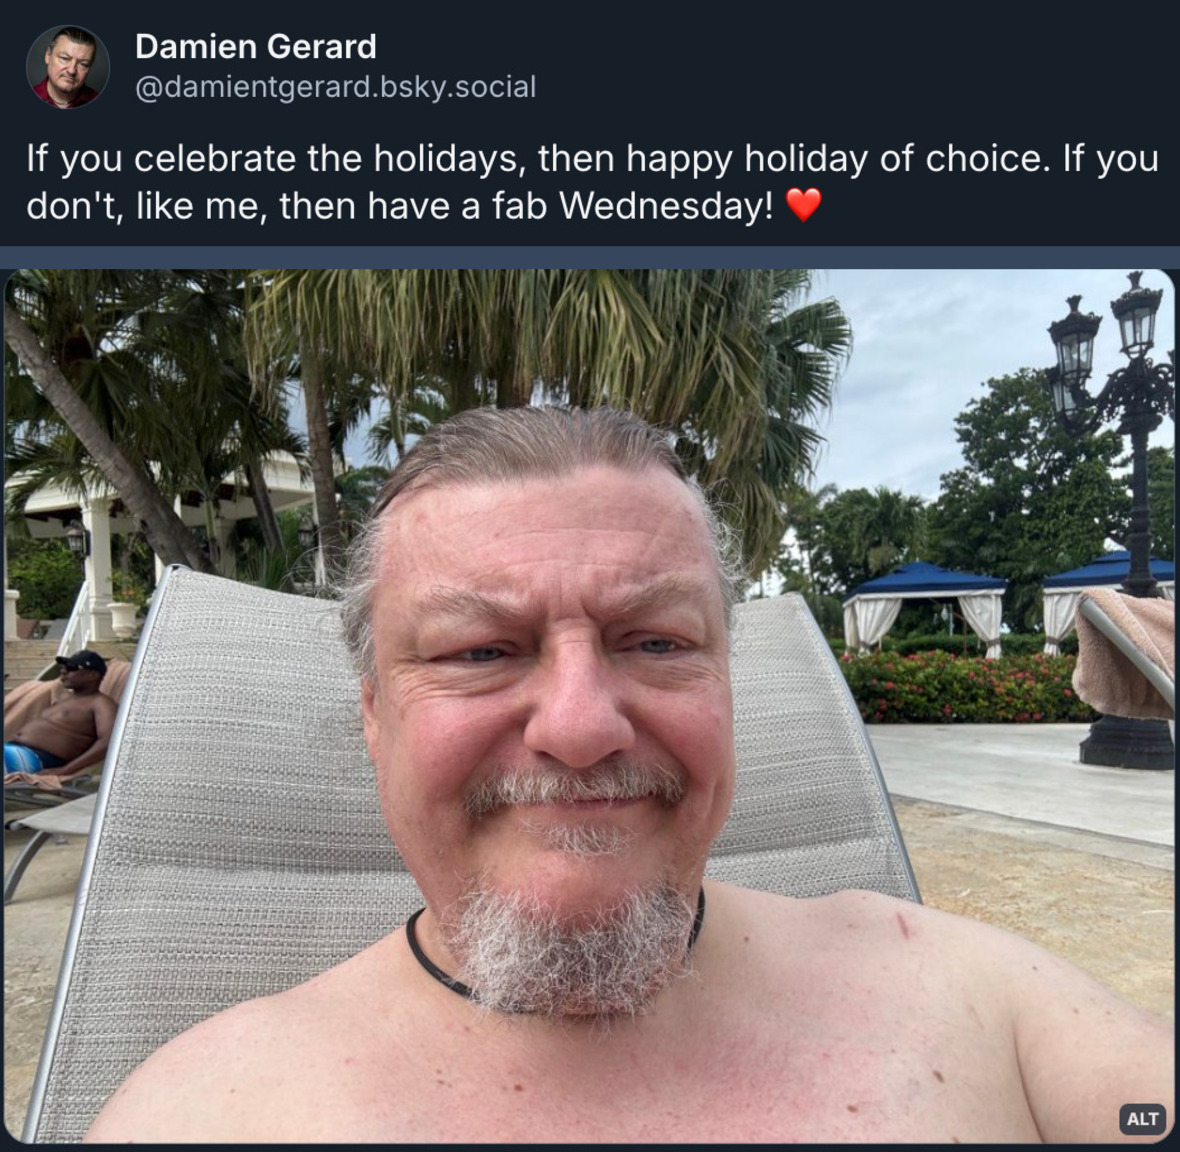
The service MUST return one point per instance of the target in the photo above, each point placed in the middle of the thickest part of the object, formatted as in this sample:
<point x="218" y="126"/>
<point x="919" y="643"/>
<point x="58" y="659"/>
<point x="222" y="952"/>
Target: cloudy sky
<point x="926" y="341"/>
<point x="924" y="344"/>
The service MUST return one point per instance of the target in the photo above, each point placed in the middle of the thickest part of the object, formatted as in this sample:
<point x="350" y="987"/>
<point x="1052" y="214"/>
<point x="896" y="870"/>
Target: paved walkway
<point x="1027" y="771"/>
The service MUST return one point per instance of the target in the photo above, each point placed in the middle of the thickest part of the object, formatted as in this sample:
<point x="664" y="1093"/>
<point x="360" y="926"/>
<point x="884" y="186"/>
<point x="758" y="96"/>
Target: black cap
<point x="85" y="659"/>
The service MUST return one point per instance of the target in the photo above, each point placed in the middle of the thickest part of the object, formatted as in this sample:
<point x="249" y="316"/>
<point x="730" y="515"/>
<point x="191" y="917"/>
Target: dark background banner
<point x="830" y="97"/>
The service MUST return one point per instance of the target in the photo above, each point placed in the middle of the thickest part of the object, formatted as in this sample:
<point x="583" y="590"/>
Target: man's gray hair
<point x="490" y="445"/>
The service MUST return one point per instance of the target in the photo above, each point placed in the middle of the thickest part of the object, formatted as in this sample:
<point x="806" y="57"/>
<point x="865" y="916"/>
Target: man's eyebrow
<point x="444" y="600"/>
<point x="468" y="603"/>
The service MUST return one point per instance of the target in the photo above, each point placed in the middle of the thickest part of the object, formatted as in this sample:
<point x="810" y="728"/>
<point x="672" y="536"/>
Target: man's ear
<point x="369" y="694"/>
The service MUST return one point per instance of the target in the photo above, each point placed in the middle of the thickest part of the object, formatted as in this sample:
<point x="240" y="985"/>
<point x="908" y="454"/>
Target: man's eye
<point x="482" y="655"/>
<point x="658" y="647"/>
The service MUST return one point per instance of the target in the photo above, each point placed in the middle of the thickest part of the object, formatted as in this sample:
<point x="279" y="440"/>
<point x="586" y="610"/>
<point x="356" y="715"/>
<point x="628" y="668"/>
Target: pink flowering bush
<point x="940" y="687"/>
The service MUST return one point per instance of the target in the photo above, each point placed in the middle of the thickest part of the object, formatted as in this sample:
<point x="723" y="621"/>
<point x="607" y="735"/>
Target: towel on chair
<point x="47" y="783"/>
<point x="1108" y="680"/>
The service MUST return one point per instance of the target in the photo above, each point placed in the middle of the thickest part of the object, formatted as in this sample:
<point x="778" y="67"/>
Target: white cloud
<point x="926" y="341"/>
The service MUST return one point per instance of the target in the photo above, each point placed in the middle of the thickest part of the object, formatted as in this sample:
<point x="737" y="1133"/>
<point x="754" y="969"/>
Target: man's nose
<point x="578" y="712"/>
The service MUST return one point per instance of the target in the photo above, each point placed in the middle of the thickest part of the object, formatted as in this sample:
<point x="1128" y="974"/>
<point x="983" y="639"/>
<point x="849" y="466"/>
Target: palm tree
<point x="71" y="334"/>
<point x="148" y="353"/>
<point x="726" y="359"/>
<point x="804" y="509"/>
<point x="868" y="533"/>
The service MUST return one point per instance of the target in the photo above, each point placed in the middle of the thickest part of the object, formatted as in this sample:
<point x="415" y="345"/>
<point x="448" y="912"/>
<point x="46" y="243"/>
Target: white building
<point x="51" y="510"/>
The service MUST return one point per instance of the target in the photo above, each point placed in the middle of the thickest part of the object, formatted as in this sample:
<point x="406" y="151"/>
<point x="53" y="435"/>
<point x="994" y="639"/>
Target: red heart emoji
<point x="803" y="203"/>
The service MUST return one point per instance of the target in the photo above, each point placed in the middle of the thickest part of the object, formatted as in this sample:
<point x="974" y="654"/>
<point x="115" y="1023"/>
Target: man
<point x="71" y="734"/>
<point x="539" y="611"/>
<point x="67" y="61"/>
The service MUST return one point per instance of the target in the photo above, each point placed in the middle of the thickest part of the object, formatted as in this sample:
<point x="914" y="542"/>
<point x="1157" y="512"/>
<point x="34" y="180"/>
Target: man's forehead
<point x="646" y="529"/>
<point x="508" y="604"/>
<point x="602" y="485"/>
<point x="65" y="44"/>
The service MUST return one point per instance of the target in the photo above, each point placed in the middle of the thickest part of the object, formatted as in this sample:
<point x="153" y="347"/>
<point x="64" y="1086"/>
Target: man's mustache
<point x="617" y="778"/>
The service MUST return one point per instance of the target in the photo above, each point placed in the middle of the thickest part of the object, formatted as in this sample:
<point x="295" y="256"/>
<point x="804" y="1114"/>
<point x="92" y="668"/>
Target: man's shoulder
<point x="253" y="1072"/>
<point x="211" y="1082"/>
<point x="854" y="923"/>
<point x="85" y="95"/>
<point x="99" y="705"/>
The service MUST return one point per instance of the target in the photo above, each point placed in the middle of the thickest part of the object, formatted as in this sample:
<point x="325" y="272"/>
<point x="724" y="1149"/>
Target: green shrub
<point x="940" y="687"/>
<point x="1014" y="644"/>
<point x="46" y="575"/>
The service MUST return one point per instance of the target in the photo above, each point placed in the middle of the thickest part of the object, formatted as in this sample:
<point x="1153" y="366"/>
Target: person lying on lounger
<point x="71" y="734"/>
<point x="540" y="612"/>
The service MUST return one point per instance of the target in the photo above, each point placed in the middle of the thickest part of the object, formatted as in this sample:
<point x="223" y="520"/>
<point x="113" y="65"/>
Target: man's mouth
<point x="592" y="805"/>
<point x="611" y="785"/>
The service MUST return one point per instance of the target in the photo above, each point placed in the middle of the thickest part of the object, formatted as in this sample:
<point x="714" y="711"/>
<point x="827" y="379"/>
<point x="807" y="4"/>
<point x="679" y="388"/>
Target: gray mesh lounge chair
<point x="238" y="847"/>
<point x="73" y="818"/>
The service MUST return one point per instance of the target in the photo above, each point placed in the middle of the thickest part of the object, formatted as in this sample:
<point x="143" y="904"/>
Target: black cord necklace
<point x="462" y="989"/>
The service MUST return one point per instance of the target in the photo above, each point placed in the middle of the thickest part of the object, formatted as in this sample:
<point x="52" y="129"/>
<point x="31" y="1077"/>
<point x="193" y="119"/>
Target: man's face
<point x="563" y="627"/>
<point x="67" y="64"/>
<point x="80" y="678"/>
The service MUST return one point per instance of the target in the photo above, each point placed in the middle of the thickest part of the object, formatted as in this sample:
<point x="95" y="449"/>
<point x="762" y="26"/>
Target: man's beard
<point x="519" y="957"/>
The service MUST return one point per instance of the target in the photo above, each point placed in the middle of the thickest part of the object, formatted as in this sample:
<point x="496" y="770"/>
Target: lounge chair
<point x="238" y="846"/>
<point x="72" y="818"/>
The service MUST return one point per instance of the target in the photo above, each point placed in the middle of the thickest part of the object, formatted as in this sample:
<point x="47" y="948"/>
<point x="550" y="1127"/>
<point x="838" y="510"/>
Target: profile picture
<point x="67" y="66"/>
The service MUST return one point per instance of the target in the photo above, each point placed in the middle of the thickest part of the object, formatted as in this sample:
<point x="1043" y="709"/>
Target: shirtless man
<point x="540" y="612"/>
<point x="71" y="734"/>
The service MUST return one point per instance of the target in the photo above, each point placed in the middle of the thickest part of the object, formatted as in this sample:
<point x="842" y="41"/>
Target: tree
<point x="1031" y="498"/>
<point x="804" y="509"/>
<point x="147" y="353"/>
<point x="866" y="534"/>
<point x="73" y="358"/>
<point x="1161" y="498"/>
<point x="726" y="359"/>
<point x="46" y="575"/>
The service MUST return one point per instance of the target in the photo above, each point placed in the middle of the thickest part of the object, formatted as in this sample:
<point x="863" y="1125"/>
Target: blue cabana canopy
<point x="871" y="608"/>
<point x="1062" y="591"/>
<point x="929" y="579"/>
<point x="1110" y="568"/>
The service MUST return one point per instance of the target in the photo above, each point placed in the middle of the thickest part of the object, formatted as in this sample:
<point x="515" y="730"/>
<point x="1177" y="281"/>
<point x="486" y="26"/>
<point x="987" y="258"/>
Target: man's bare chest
<point x="71" y="716"/>
<point x="848" y="1089"/>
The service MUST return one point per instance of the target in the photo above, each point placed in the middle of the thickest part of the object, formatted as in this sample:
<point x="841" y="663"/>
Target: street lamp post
<point x="1138" y="394"/>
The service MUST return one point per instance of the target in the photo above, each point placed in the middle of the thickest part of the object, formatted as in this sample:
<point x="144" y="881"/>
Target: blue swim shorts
<point x="22" y="758"/>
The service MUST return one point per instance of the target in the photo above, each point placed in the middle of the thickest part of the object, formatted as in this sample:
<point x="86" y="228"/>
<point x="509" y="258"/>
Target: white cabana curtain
<point x="983" y="611"/>
<point x="1062" y="603"/>
<point x="867" y="619"/>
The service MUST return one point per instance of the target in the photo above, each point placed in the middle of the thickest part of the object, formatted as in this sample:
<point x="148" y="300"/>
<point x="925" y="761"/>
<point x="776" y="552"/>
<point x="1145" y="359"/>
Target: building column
<point x="11" y="596"/>
<point x="96" y="519"/>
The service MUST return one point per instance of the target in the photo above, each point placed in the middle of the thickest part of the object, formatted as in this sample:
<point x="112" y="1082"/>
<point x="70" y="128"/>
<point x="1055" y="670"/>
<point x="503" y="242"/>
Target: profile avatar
<point x="68" y="60"/>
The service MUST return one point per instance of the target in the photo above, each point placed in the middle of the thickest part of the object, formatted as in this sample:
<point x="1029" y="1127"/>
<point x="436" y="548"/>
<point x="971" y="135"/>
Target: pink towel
<point x="1107" y="679"/>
